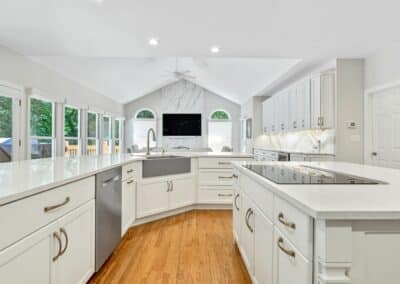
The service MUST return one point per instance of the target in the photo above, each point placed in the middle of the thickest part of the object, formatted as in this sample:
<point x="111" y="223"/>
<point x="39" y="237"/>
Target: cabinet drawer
<point x="261" y="196"/>
<point x="129" y="171"/>
<point x="215" y="163"/>
<point x="290" y="266"/>
<point x="295" y="225"/>
<point x="209" y="195"/>
<point x="25" y="216"/>
<point x="221" y="177"/>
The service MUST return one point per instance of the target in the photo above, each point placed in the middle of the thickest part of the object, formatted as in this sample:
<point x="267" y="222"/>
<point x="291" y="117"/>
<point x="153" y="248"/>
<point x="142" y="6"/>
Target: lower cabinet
<point x="128" y="204"/>
<point x="237" y="212"/>
<point x="289" y="265"/>
<point x="62" y="252"/>
<point x="247" y="233"/>
<point x="160" y="196"/>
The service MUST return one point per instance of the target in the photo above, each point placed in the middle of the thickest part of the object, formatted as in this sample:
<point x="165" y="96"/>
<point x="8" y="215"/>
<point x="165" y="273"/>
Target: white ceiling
<point x="72" y="30"/>
<point x="125" y="79"/>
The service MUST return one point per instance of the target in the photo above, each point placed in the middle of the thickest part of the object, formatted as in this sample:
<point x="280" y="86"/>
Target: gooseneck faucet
<point x="151" y="130"/>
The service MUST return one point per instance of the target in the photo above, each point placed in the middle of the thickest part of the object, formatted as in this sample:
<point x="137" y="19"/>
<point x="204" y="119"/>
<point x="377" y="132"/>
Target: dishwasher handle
<point x="113" y="179"/>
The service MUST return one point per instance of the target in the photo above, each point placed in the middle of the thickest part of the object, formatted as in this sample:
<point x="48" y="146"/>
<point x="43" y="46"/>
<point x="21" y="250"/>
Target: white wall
<point x="182" y="97"/>
<point x="22" y="71"/>
<point x="382" y="67"/>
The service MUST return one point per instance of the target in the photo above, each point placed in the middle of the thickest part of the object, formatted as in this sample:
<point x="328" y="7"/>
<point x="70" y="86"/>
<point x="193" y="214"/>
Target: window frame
<point x="110" y="136"/>
<point x="120" y="134"/>
<point x="78" y="138"/>
<point x="136" y="119"/>
<point x="96" y="138"/>
<point x="211" y="120"/>
<point x="53" y="126"/>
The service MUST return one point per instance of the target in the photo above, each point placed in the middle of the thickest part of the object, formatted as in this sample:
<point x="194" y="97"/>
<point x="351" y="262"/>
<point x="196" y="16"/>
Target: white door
<point x="182" y="193"/>
<point x="10" y="120"/>
<point x="265" y="115"/>
<point x="31" y="259"/>
<point x="151" y="198"/>
<point x="289" y="265"/>
<point x="263" y="248"/>
<point x="303" y="105"/>
<point x="386" y="128"/>
<point x="293" y="109"/>
<point x="77" y="231"/>
<point x="247" y="233"/>
<point x="128" y="204"/>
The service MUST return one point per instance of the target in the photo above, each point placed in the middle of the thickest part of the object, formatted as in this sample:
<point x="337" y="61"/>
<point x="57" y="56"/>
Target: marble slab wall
<point x="302" y="141"/>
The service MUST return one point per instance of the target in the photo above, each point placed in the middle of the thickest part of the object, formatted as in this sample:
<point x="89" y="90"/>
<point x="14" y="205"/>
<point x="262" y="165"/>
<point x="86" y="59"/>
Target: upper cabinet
<point x="308" y="104"/>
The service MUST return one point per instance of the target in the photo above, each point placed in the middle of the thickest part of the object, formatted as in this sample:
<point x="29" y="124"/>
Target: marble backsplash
<point x="303" y="141"/>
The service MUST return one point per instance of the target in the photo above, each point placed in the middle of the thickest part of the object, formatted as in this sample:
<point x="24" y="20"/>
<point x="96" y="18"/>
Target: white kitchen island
<point x="319" y="233"/>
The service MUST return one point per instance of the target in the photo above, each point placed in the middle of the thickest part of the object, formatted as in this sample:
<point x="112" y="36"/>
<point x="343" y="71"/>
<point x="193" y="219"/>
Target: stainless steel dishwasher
<point x="108" y="214"/>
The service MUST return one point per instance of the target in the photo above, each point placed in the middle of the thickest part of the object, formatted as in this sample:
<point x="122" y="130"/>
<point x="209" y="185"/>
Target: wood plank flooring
<point x="193" y="247"/>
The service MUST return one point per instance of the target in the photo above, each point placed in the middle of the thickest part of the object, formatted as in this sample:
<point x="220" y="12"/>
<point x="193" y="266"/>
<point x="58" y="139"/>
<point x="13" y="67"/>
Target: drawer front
<point x="219" y="163"/>
<point x="25" y="216"/>
<point x="295" y="225"/>
<point x="129" y="171"/>
<point x="210" y="195"/>
<point x="261" y="196"/>
<point x="222" y="177"/>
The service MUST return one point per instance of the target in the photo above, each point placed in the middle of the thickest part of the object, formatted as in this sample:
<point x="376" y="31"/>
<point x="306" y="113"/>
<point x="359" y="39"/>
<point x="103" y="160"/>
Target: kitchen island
<point x="318" y="233"/>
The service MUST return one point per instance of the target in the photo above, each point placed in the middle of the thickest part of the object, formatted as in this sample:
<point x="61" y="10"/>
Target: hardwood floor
<point x="193" y="247"/>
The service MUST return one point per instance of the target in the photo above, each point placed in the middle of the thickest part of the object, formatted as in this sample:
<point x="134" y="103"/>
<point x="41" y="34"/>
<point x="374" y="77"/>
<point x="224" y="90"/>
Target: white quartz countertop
<point x="200" y="154"/>
<point x="24" y="178"/>
<point x="296" y="152"/>
<point x="330" y="201"/>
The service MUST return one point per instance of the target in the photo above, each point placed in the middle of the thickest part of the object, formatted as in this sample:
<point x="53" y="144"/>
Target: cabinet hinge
<point x="19" y="143"/>
<point x="19" y="102"/>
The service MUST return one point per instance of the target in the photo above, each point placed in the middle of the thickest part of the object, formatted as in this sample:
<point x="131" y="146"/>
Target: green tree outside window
<point x="5" y="117"/>
<point x="220" y="114"/>
<point x="41" y="119"/>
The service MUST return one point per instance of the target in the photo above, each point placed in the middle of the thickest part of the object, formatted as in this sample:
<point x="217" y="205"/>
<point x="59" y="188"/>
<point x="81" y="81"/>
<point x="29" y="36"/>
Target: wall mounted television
<point x="181" y="124"/>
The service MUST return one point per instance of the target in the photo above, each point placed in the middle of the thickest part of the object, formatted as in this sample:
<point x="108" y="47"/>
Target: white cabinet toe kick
<point x="280" y="244"/>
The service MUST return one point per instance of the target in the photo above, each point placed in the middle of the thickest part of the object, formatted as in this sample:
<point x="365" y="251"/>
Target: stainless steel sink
<point x="163" y="165"/>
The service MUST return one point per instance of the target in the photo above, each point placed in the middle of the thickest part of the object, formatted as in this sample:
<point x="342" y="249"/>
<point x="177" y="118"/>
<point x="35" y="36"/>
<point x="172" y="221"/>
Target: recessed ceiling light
<point x="153" y="42"/>
<point x="98" y="1"/>
<point x="215" y="49"/>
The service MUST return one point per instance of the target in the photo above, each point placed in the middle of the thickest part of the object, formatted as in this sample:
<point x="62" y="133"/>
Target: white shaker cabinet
<point x="128" y="204"/>
<point x="302" y="90"/>
<point x="152" y="198"/>
<point x="182" y="193"/>
<point x="247" y="236"/>
<point x="237" y="209"/>
<point x="322" y="92"/>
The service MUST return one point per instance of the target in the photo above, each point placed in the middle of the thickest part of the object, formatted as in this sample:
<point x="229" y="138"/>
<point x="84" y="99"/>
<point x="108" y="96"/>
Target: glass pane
<point x="41" y="148"/>
<point x="219" y="114"/>
<point x="116" y="128"/>
<point x="71" y="122"/>
<point x="41" y="118"/>
<point x="106" y="127"/>
<point x="146" y="114"/>
<point x="106" y="147"/>
<point x="117" y="149"/>
<point x="91" y="148"/>
<point x="92" y="125"/>
<point x="71" y="147"/>
<point x="5" y="129"/>
<point x="140" y="128"/>
<point x="220" y="135"/>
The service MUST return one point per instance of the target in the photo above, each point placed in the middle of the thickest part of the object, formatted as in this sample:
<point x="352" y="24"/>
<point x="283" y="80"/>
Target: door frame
<point x="368" y="111"/>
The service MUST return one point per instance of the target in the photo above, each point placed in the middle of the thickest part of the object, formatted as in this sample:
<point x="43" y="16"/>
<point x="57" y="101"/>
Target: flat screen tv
<point x="182" y="124"/>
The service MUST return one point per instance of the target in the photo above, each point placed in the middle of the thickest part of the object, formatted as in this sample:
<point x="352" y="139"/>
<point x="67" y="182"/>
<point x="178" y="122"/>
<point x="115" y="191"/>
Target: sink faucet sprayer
<point x="151" y="130"/>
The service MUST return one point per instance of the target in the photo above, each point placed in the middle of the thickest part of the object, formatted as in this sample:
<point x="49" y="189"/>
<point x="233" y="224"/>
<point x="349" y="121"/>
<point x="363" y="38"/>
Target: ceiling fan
<point x="185" y="74"/>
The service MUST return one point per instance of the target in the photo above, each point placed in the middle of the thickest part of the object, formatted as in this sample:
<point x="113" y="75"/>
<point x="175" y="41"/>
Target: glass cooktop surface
<point x="284" y="174"/>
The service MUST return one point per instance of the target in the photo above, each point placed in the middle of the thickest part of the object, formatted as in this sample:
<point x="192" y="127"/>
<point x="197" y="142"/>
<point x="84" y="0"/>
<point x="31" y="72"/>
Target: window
<point x="106" y="143"/>
<point x="41" y="128"/>
<point x="92" y="133"/>
<point x="144" y="120"/>
<point x="117" y="135"/>
<point x="6" y="128"/>
<point x="220" y="131"/>
<point x="71" y="131"/>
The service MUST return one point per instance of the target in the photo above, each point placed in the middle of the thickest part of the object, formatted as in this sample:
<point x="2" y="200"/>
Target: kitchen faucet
<point x="151" y="130"/>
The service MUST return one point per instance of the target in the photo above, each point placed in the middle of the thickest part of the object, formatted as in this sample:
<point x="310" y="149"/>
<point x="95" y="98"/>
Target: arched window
<point x="144" y="120"/>
<point x="220" y="131"/>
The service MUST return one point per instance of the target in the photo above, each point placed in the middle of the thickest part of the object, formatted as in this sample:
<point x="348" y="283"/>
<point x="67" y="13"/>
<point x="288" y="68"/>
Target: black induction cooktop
<point x="297" y="174"/>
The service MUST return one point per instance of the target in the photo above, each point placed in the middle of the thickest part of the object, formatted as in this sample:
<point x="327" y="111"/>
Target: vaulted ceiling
<point x="104" y="43"/>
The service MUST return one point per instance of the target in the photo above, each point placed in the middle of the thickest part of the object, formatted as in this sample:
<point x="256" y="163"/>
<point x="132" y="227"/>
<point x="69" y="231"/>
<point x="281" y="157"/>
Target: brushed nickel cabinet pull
<point x="224" y="163"/>
<point x="129" y="171"/>
<point x="62" y="231"/>
<point x="53" y="207"/>
<point x="282" y="220"/>
<point x="285" y="250"/>
<point x="248" y="214"/>
<point x="172" y="185"/>
<point x="235" y="202"/>
<point x="235" y="176"/>
<point x="225" y="194"/>
<point x="168" y="186"/>
<point x="223" y="177"/>
<point x="57" y="237"/>
<point x="129" y="182"/>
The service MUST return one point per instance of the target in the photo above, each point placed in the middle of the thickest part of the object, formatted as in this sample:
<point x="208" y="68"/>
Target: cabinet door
<point x="31" y="259"/>
<point x="303" y="105"/>
<point x="182" y="193"/>
<point x="152" y="198"/>
<point x="237" y="212"/>
<point x="247" y="236"/>
<point x="328" y="100"/>
<point x="263" y="248"/>
<point x="284" y="111"/>
<point x="265" y="113"/>
<point x="77" y="231"/>
<point x="293" y="109"/>
<point x="128" y="204"/>
<point x="315" y="94"/>
<point x="289" y="265"/>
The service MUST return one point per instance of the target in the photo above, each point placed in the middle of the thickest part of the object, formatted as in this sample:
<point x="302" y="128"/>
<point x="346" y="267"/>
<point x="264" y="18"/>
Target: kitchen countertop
<point x="330" y="201"/>
<point x="296" y="152"/>
<point x="28" y="177"/>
